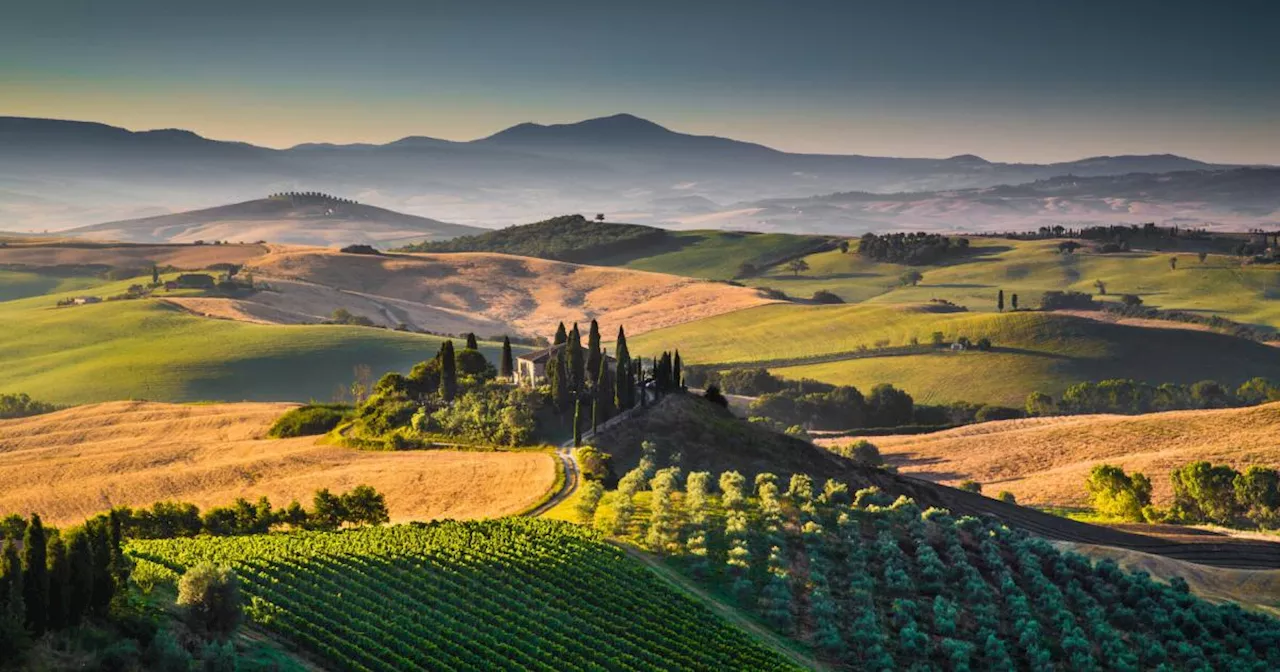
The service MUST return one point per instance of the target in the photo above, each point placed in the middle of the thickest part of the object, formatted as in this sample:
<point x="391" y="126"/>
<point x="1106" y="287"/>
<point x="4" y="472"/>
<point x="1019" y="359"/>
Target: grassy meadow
<point x="716" y="255"/>
<point x="150" y="349"/>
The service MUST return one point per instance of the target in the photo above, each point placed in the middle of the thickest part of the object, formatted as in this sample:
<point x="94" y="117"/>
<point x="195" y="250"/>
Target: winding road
<point x="565" y="454"/>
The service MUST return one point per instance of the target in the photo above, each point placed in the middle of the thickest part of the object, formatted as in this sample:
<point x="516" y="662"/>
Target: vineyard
<point x="518" y="594"/>
<point x="871" y="583"/>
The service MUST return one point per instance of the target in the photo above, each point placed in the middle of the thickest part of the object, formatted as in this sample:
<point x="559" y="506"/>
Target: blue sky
<point x="1016" y="81"/>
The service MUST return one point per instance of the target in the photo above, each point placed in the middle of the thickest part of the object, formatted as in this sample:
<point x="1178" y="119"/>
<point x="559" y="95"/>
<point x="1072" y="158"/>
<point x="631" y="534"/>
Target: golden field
<point x="73" y="463"/>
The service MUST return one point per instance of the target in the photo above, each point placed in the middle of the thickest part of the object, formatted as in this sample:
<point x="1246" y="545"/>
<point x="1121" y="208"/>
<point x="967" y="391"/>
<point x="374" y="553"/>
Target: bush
<point x="595" y="464"/>
<point x="971" y="486"/>
<point x="310" y="420"/>
<point x="1117" y="494"/>
<point x="1072" y="300"/>
<point x="360" y="249"/>
<point x="824" y="296"/>
<point x="863" y="452"/>
<point x="1006" y="497"/>
<point x="210" y="596"/>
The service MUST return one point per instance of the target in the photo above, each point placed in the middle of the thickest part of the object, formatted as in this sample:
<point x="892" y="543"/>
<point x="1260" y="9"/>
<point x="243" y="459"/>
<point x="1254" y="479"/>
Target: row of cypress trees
<point x="58" y="580"/>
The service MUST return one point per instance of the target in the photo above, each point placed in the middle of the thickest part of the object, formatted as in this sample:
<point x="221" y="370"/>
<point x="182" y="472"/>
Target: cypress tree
<point x="100" y="542"/>
<point x="637" y="370"/>
<point x="577" y="421"/>
<point x="507" y="366"/>
<point x="559" y="382"/>
<point x="677" y="380"/>
<point x="13" y="638"/>
<point x="35" y="580"/>
<point x="561" y="336"/>
<point x="575" y="364"/>
<point x="120" y="565"/>
<point x="80" y="564"/>
<point x="622" y="381"/>
<point x="593" y="351"/>
<point x="1000" y="301"/>
<point x="1014" y="301"/>
<point x="472" y="344"/>
<point x="448" y="371"/>
<point x="603" y="395"/>
<point x="59" y="584"/>
<point x="155" y="275"/>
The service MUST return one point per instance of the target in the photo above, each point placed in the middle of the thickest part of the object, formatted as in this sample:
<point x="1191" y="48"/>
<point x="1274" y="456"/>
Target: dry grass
<point x="1046" y="460"/>
<point x="73" y="463"/>
<point x="129" y="256"/>
<point x="487" y="293"/>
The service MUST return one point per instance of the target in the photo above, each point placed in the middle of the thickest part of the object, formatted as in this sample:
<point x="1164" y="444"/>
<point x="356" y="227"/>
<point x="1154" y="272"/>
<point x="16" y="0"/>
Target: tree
<point x="327" y="512"/>
<point x="1205" y="492"/>
<point x="1006" y="497"/>
<point x="971" y="486"/>
<point x="35" y="571"/>
<point x="595" y="465"/>
<point x="1257" y="391"/>
<point x="865" y="452"/>
<point x="59" y="584"/>
<point x="1000" y="301"/>
<point x="844" y="247"/>
<point x="601" y="394"/>
<point x="1039" y="403"/>
<point x="363" y="505"/>
<point x="561" y="335"/>
<point x="448" y="371"/>
<point x="1173" y="263"/>
<point x="911" y="277"/>
<point x="13" y="636"/>
<point x="1258" y="491"/>
<point x="507" y="365"/>
<point x="210" y="595"/>
<point x="1068" y="247"/>
<point x="155" y="275"/>
<point x="888" y="406"/>
<point x="797" y="266"/>
<point x="594" y="354"/>
<point x="577" y="420"/>
<point x="677" y="378"/>
<point x="715" y="396"/>
<point x="80" y="561"/>
<point x="624" y="384"/>
<point x="472" y="344"/>
<point x="1117" y="494"/>
<point x="575" y="362"/>
<point x="1102" y="287"/>
<point x="1203" y="256"/>
<point x="1014" y="301"/>
<point x="1131" y="300"/>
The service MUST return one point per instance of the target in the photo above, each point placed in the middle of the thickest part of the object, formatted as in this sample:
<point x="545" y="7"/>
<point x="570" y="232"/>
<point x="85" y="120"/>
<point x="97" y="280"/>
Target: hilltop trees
<point x="915" y="249"/>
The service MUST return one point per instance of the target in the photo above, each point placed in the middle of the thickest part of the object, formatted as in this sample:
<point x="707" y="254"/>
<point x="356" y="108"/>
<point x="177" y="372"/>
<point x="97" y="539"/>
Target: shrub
<point x="824" y="296"/>
<point x="1006" y="497"/>
<point x="310" y="420"/>
<point x="971" y="486"/>
<point x="988" y="413"/>
<point x="1117" y="494"/>
<point x="210" y="596"/>
<point x="713" y="395"/>
<point x="1057" y="300"/>
<point x="360" y="249"/>
<point x="595" y="464"/>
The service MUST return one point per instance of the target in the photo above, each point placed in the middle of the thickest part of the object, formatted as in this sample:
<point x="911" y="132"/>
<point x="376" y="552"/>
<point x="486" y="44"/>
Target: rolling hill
<point x="1032" y="351"/>
<point x="302" y="220"/>
<point x="1045" y="460"/>
<point x="71" y="464"/>
<point x="60" y="173"/>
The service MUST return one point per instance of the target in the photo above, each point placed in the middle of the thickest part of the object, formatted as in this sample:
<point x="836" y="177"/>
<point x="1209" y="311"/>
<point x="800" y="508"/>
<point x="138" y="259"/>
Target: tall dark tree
<point x="59" y="584"/>
<point x="1000" y="301"/>
<point x="558" y="377"/>
<point x="155" y="275"/>
<point x="602" y="394"/>
<point x="677" y="380"/>
<point x="13" y="637"/>
<point x="103" y="587"/>
<point x="577" y="420"/>
<point x="120" y="563"/>
<point x="507" y="366"/>
<point x="637" y="371"/>
<point x="1014" y="301"/>
<point x="448" y="371"/>
<point x="472" y="344"/>
<point x="80" y="561"/>
<point x="35" y="576"/>
<point x="561" y="335"/>
<point x="593" y="351"/>
<point x="624" y="384"/>
<point x="575" y="362"/>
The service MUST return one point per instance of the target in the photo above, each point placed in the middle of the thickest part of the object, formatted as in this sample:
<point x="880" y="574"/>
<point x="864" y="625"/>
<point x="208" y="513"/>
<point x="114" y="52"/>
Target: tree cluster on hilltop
<point x="571" y="238"/>
<point x="916" y="249"/>
<point x="1126" y="396"/>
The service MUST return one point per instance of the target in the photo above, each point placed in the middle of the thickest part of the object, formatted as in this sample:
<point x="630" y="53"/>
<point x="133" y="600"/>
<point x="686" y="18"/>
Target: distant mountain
<point x="302" y="220"/>
<point x="1239" y="198"/>
<point x="58" y="173"/>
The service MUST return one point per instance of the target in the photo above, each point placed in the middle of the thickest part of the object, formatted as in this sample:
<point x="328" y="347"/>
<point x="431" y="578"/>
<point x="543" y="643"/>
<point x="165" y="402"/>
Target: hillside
<point x="71" y="464"/>
<point x="486" y="293"/>
<point x="296" y="219"/>
<point x="1219" y="285"/>
<point x="718" y="255"/>
<point x="152" y="349"/>
<point x="1031" y="351"/>
<point x="518" y="594"/>
<point x="1045" y="461"/>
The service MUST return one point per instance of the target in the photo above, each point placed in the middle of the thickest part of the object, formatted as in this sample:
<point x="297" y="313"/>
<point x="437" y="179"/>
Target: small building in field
<point x="531" y="367"/>
<point x="82" y="300"/>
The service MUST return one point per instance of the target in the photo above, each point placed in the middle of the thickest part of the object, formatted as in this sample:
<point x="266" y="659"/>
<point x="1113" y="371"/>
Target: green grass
<point x="713" y="254"/>
<point x="23" y="284"/>
<point x="148" y="349"/>
<point x="1029" y="268"/>
<point x="1032" y="351"/>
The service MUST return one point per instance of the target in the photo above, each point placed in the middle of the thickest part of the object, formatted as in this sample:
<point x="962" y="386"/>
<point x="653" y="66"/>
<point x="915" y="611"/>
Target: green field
<point x="22" y="284"/>
<point x="149" y="349"/>
<point x="1032" y="351"/>
<point x="513" y="593"/>
<point x="1220" y="286"/>
<point x="716" y="255"/>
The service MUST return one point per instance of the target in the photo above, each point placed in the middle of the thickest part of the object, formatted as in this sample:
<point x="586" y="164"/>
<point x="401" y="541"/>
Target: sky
<point x="1028" y="80"/>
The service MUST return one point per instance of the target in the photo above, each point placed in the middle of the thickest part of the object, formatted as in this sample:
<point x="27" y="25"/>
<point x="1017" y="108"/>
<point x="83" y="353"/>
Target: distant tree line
<point x="20" y="405"/>
<point x="916" y="249"/>
<point x="311" y="197"/>
<point x="1132" y="307"/>
<point x="1133" y="397"/>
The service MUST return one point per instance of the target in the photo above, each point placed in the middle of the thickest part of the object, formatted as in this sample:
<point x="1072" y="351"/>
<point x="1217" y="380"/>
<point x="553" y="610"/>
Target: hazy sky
<point x="1022" y="80"/>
